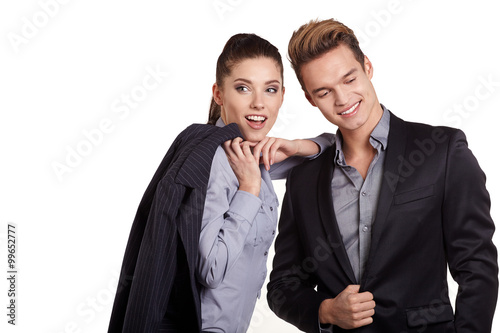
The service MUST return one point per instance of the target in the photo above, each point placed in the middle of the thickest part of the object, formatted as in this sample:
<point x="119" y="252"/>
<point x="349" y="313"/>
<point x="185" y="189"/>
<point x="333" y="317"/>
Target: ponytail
<point x="214" y="113"/>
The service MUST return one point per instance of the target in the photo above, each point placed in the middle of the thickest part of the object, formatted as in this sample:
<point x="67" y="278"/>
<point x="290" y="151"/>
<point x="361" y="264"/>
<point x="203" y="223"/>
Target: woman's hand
<point x="275" y="150"/>
<point x="245" y="164"/>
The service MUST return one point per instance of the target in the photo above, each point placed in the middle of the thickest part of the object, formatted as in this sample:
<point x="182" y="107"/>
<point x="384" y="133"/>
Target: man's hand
<point x="350" y="309"/>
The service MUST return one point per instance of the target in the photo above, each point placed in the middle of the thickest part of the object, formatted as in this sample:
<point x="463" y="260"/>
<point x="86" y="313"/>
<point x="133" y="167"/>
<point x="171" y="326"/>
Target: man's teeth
<point x="350" y="110"/>
<point x="256" y="118"/>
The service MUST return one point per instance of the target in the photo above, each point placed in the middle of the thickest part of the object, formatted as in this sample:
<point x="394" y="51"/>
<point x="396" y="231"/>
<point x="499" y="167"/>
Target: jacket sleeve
<point x="280" y="170"/>
<point x="468" y="230"/>
<point x="226" y="222"/>
<point x="291" y="290"/>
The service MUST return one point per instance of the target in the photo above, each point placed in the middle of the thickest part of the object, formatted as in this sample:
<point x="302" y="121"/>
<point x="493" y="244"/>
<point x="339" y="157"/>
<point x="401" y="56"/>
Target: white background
<point x="66" y="67"/>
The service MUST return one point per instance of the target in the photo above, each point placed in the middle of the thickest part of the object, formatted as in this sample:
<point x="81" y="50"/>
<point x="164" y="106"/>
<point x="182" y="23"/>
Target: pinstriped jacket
<point x="158" y="269"/>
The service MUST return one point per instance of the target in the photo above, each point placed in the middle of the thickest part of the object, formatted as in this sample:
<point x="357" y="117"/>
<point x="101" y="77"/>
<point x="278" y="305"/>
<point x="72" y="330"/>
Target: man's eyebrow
<point x="352" y="71"/>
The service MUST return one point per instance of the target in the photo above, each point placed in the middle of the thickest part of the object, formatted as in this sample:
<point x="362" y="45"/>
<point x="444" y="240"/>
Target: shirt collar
<point x="378" y="137"/>
<point x="381" y="132"/>
<point x="220" y="122"/>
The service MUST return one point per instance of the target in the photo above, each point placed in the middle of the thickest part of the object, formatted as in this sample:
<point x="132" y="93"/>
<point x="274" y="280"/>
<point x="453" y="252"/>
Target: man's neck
<point x="357" y="142"/>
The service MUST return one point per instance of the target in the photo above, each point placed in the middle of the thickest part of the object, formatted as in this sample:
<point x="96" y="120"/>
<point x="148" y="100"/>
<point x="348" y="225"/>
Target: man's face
<point x="337" y="84"/>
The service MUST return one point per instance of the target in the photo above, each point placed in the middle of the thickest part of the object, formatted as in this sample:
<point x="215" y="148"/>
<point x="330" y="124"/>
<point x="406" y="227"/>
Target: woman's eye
<point x="272" y="90"/>
<point x="351" y="80"/>
<point x="242" y="89"/>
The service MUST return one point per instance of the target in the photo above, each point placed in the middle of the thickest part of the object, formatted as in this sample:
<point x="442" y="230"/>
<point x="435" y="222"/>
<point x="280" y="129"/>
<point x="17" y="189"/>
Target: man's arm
<point x="468" y="230"/>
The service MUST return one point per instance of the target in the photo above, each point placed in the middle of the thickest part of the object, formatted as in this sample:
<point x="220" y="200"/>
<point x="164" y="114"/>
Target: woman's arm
<point x="279" y="156"/>
<point x="231" y="206"/>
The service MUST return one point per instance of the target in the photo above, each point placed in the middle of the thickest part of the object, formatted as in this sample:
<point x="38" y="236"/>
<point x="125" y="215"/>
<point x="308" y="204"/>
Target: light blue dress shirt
<point x="236" y="233"/>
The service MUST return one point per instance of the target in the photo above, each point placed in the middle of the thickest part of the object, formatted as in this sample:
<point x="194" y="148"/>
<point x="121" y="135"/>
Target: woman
<point x="196" y="257"/>
<point x="240" y="215"/>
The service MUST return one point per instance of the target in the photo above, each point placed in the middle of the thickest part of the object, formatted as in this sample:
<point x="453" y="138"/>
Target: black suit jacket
<point x="433" y="210"/>
<point x="157" y="287"/>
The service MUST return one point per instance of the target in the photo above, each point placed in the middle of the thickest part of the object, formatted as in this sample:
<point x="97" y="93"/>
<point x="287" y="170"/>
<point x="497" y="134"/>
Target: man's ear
<point x="309" y="98"/>
<point x="217" y="94"/>
<point x="368" y="68"/>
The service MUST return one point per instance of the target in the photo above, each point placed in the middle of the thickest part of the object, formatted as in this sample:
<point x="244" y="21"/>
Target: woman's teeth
<point x="256" y="118"/>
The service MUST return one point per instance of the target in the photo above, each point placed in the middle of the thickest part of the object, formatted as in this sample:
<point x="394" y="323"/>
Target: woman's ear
<point x="217" y="94"/>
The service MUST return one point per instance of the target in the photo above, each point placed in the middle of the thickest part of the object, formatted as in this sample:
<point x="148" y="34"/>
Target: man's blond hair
<point x="316" y="38"/>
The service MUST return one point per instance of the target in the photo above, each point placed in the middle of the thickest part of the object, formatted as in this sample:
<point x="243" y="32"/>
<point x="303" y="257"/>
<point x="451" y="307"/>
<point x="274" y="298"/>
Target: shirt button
<point x="363" y="194"/>
<point x="274" y="231"/>
<point x="365" y="228"/>
<point x="265" y="253"/>
<point x="271" y="208"/>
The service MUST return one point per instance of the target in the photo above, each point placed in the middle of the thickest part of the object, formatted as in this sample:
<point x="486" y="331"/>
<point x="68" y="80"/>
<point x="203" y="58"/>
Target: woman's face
<point x="251" y="97"/>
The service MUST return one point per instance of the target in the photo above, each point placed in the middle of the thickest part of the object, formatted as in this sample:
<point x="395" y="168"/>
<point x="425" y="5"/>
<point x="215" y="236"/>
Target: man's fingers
<point x="352" y="288"/>
<point x="363" y="322"/>
<point x="363" y="297"/>
<point x="364" y="307"/>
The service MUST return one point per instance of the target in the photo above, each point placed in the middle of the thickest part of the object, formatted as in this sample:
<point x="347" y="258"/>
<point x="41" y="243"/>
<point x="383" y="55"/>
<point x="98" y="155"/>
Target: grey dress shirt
<point x="355" y="199"/>
<point x="236" y="233"/>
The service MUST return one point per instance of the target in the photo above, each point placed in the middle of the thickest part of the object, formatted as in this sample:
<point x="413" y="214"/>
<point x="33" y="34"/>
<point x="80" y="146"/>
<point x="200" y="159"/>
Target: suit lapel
<point x="327" y="213"/>
<point x="396" y="147"/>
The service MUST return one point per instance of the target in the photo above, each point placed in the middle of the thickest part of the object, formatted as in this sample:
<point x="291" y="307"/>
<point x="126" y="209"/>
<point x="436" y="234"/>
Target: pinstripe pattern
<point x="165" y="232"/>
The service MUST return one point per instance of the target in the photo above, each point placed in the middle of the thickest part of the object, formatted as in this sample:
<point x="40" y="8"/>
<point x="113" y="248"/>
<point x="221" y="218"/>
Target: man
<point x="367" y="229"/>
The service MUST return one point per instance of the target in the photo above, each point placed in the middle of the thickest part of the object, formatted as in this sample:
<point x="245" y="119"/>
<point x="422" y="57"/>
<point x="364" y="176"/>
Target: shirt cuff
<point x="246" y="205"/>
<point x="324" y="141"/>
<point x="323" y="328"/>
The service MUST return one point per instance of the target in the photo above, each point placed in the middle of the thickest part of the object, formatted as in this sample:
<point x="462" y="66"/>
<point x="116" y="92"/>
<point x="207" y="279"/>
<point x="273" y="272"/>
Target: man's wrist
<point x="323" y="313"/>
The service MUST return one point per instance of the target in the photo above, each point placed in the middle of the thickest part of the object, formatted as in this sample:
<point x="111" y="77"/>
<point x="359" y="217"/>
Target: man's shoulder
<point x="422" y="130"/>
<point x="311" y="168"/>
